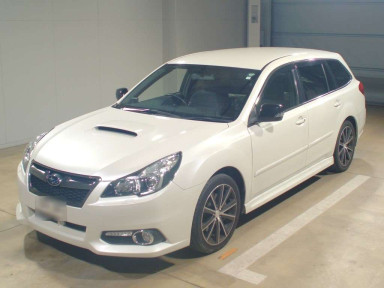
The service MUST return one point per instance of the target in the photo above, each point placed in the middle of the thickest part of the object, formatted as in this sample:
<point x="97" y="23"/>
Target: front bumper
<point x="170" y="211"/>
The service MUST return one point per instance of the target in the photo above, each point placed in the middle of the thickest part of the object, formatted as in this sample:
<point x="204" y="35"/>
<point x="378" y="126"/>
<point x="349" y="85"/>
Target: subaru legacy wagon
<point x="178" y="158"/>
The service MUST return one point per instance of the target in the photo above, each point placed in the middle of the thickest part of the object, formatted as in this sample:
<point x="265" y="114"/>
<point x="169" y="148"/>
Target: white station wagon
<point x="201" y="140"/>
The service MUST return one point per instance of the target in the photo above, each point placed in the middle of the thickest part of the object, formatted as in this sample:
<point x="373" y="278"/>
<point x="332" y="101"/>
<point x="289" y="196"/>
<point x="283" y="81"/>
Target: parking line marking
<point x="228" y="253"/>
<point x="238" y="266"/>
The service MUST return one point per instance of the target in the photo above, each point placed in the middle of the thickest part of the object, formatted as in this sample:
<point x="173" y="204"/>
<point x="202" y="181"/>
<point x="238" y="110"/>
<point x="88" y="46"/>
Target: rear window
<point x="312" y="79"/>
<point x="339" y="72"/>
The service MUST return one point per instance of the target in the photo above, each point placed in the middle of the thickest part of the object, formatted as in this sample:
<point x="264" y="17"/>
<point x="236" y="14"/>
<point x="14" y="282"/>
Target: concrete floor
<point x="343" y="247"/>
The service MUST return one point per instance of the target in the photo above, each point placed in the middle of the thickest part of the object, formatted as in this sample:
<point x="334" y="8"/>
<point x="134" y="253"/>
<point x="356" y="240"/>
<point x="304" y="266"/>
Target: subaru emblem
<point x="53" y="179"/>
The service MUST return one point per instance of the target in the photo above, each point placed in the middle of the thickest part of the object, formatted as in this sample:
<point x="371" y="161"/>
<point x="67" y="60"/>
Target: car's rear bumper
<point x="361" y="121"/>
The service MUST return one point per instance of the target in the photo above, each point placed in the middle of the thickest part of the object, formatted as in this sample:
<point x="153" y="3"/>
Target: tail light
<point x="361" y="88"/>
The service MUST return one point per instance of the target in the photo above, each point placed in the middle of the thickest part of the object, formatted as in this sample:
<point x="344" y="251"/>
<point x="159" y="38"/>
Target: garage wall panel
<point x="2" y="107"/>
<point x="28" y="78"/>
<point x="131" y="43"/>
<point x="128" y="10"/>
<point x="362" y="54"/>
<point x="208" y="30"/>
<point x="213" y="10"/>
<point x="26" y="10"/>
<point x="75" y="10"/>
<point x="128" y="60"/>
<point x="353" y="28"/>
<point x="77" y="68"/>
<point x="329" y="17"/>
<point x="60" y="59"/>
<point x="198" y="25"/>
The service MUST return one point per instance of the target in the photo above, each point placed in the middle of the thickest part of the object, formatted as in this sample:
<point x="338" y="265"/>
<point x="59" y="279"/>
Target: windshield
<point x="197" y="92"/>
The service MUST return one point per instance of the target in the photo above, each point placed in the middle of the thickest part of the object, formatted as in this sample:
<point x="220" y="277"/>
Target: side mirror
<point x="121" y="92"/>
<point x="270" y="113"/>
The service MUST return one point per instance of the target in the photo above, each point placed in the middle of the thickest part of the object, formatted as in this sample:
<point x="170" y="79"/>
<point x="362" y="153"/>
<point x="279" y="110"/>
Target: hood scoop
<point x="116" y="130"/>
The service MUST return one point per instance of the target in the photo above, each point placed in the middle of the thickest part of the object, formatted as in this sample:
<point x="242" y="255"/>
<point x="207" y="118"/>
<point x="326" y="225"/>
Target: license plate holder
<point x="48" y="208"/>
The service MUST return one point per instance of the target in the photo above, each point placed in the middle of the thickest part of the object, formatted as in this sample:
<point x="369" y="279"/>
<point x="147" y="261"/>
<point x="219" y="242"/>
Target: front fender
<point x="231" y="148"/>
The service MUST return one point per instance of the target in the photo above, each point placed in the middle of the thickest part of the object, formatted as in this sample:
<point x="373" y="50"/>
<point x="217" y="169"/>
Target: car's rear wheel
<point x="41" y="237"/>
<point x="345" y="147"/>
<point x="216" y="215"/>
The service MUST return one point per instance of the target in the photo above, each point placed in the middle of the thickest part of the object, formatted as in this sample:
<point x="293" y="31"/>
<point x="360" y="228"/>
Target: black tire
<point x="41" y="237"/>
<point x="344" y="148"/>
<point x="216" y="215"/>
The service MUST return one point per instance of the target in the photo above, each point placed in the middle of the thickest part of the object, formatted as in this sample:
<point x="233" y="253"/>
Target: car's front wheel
<point x="216" y="215"/>
<point x="345" y="147"/>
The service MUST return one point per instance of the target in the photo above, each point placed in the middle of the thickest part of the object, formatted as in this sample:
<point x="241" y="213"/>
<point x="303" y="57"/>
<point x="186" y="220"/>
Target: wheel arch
<point x="342" y="119"/>
<point x="354" y="123"/>
<point x="236" y="175"/>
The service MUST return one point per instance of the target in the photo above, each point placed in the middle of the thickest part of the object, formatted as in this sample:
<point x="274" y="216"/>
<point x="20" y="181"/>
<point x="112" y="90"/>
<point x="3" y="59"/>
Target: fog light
<point x="143" y="237"/>
<point x="133" y="237"/>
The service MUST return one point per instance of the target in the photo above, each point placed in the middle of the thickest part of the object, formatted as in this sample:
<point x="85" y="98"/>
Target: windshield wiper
<point x="208" y="119"/>
<point x="155" y="112"/>
<point x="169" y="114"/>
<point x="148" y="111"/>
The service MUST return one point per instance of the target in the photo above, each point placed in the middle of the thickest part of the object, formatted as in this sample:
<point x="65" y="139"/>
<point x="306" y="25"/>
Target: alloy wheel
<point x="346" y="146"/>
<point x="219" y="214"/>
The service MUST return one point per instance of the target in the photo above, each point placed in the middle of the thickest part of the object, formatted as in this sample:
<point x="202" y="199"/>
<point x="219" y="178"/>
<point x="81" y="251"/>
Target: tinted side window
<point x="312" y="79"/>
<point x="280" y="89"/>
<point x="340" y="73"/>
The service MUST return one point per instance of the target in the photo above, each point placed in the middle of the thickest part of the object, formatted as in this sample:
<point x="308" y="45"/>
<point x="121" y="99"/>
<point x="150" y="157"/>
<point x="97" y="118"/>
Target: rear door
<point x="323" y="108"/>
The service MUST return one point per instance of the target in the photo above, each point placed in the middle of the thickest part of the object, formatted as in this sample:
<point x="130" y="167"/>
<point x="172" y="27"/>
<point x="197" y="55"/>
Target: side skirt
<point x="283" y="187"/>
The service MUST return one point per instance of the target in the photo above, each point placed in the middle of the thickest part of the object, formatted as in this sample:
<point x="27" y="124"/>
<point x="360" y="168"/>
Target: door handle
<point x="337" y="104"/>
<point x="300" y="121"/>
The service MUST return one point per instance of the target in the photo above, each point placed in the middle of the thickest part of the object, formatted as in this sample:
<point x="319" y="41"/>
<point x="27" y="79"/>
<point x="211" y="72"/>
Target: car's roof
<point x="251" y="58"/>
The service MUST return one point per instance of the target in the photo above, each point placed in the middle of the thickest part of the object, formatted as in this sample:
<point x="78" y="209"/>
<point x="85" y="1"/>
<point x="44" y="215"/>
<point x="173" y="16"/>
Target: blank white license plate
<point x="48" y="208"/>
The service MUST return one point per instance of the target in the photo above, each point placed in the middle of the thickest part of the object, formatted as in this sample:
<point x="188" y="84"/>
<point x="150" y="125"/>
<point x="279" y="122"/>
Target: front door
<point x="279" y="148"/>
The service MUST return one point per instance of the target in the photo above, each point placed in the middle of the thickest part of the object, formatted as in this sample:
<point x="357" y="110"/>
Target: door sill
<point x="284" y="186"/>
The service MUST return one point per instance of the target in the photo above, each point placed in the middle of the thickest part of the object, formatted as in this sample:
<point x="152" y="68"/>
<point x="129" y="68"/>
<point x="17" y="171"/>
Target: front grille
<point x="73" y="189"/>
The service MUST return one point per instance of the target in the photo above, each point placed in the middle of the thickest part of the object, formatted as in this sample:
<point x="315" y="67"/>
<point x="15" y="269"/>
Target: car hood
<point x="112" y="143"/>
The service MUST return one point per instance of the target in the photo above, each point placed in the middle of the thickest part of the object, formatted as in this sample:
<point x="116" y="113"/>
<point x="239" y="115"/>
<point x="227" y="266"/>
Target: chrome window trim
<point x="330" y="91"/>
<point x="349" y="73"/>
<point x="294" y="63"/>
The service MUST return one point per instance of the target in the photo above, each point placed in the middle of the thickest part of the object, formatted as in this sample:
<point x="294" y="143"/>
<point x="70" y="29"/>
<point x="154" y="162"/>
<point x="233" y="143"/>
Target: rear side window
<point x="312" y="78"/>
<point x="339" y="72"/>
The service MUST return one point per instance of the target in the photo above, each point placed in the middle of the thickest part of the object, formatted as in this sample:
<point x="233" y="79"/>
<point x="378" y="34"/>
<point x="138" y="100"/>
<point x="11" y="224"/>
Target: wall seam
<point x="378" y="69"/>
<point x="53" y="27"/>
<point x="330" y="2"/>
<point x="305" y="34"/>
<point x="3" y="93"/>
<point x="99" y="54"/>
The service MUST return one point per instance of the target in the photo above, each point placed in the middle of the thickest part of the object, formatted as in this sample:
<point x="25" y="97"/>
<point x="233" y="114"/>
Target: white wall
<point x="198" y="25"/>
<point x="60" y="59"/>
<point x="63" y="58"/>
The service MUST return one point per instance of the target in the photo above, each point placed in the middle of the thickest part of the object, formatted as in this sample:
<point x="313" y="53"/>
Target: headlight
<point x="29" y="149"/>
<point x="146" y="181"/>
